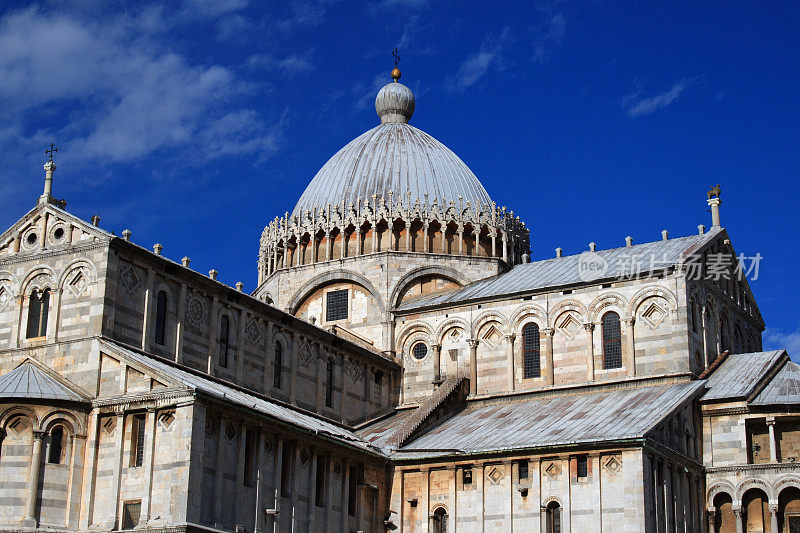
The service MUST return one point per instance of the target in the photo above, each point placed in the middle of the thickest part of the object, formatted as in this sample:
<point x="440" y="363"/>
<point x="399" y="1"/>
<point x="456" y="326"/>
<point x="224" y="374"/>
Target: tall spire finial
<point x="396" y="71"/>
<point x="49" y="168"/>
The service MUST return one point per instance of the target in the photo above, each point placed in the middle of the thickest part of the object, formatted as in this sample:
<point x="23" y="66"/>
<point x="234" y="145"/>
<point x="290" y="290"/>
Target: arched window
<point x="553" y="517"/>
<point x="329" y="384"/>
<point x="440" y="520"/>
<point x="38" y="307"/>
<point x="612" y="343"/>
<point x="161" y="317"/>
<point x="224" y="340"/>
<point x="276" y="379"/>
<point x="696" y="317"/>
<point x="56" y="452"/>
<point x="530" y="351"/>
<point x="737" y="340"/>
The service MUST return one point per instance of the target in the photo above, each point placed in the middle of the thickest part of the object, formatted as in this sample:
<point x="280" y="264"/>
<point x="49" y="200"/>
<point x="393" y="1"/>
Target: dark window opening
<point x="523" y="470"/>
<point x="612" y="342"/>
<point x="224" y="340"/>
<point x="137" y="440"/>
<point x="582" y="468"/>
<point x="531" y="351"/>
<point x="440" y="521"/>
<point x="276" y="379"/>
<point x="161" y="317"/>
<point x="250" y="447"/>
<point x="336" y="305"/>
<point x="329" y="384"/>
<point x="378" y="377"/>
<point x="130" y="514"/>
<point x="286" y="470"/>
<point x="352" y="487"/>
<point x="56" y="446"/>
<point x="466" y="476"/>
<point x="553" y="517"/>
<point x="321" y="476"/>
<point x="38" y="308"/>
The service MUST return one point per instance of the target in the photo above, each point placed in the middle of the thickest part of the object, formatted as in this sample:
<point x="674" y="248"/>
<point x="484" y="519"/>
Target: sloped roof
<point x="740" y="374"/>
<point x="233" y="395"/>
<point x="564" y="271"/>
<point x="547" y="420"/>
<point x="783" y="389"/>
<point x="31" y="381"/>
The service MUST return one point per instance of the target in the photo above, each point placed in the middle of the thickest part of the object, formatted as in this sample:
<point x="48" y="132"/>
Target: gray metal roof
<point x="783" y="389"/>
<point x="30" y="381"/>
<point x="393" y="157"/>
<point x="238" y="397"/>
<point x="740" y="374"/>
<point x="547" y="420"/>
<point x="565" y="271"/>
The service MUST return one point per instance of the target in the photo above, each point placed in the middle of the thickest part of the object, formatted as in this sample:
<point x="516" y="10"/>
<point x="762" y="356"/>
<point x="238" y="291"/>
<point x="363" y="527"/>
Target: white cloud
<point x="290" y="64"/>
<point x="367" y="96"/>
<point x="636" y="106"/>
<point x="548" y="36"/>
<point x="213" y="8"/>
<point x="478" y="65"/>
<point x="112" y="91"/>
<point x="776" y="339"/>
<point x="305" y="13"/>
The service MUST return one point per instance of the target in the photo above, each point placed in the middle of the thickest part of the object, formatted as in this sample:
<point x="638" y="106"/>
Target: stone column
<point x="374" y="237"/>
<point x="296" y="487"/>
<point x="712" y="526"/>
<point x="329" y="492"/>
<point x="321" y="383"/>
<point x="425" y="238"/>
<point x="548" y="355"/>
<point x="345" y="495"/>
<point x="505" y="247"/>
<point x="343" y="245"/>
<point x="473" y="366"/>
<point x="33" y="480"/>
<point x="277" y="475"/>
<point x="328" y="247"/>
<point x="773" y="514"/>
<point x="408" y="235"/>
<point x="494" y="243"/>
<point x="437" y="363"/>
<point x="218" y="473"/>
<point x="116" y="486"/>
<point x="510" y="361"/>
<point x="293" y="352"/>
<point x="179" y="329"/>
<point x="150" y="449"/>
<point x="358" y="240"/>
<point x="738" y="513"/>
<point x="260" y="497"/>
<point x="312" y="488"/>
<point x="589" y="327"/>
<point x="426" y="501"/>
<point x="773" y="443"/>
<point x="460" y="239"/>
<point x="661" y="522"/>
<point x="630" y="362"/>
<point x="705" y="335"/>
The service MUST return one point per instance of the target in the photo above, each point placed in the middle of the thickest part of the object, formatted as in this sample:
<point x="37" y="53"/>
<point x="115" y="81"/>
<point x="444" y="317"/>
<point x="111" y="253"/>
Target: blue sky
<point x="194" y="123"/>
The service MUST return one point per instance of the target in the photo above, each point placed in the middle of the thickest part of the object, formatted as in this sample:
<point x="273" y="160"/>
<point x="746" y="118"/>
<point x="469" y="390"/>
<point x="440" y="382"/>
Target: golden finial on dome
<point x="395" y="71"/>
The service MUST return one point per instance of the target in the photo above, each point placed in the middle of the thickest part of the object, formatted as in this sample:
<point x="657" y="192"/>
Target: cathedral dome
<point x="393" y="157"/>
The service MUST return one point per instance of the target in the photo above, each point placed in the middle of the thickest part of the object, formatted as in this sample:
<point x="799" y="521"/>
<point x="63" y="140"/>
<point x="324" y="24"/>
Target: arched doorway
<point x="553" y="517"/>
<point x="724" y="520"/>
<point x="789" y="510"/>
<point x="755" y="506"/>
<point x="440" y="520"/>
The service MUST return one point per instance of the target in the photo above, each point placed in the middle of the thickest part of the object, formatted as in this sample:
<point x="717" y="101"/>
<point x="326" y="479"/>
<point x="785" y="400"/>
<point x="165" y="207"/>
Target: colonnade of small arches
<point x="611" y="314"/>
<point x="719" y="326"/>
<point x="337" y="232"/>
<point x="754" y="504"/>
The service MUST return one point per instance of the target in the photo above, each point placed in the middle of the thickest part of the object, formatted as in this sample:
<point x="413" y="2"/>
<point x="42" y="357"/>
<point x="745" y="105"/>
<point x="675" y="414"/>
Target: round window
<point x="32" y="238"/>
<point x="58" y="234"/>
<point x="419" y="350"/>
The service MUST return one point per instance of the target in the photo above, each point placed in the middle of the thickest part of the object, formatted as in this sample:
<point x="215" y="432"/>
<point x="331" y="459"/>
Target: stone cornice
<point x="761" y="468"/>
<point x="162" y="398"/>
<point x="49" y="252"/>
